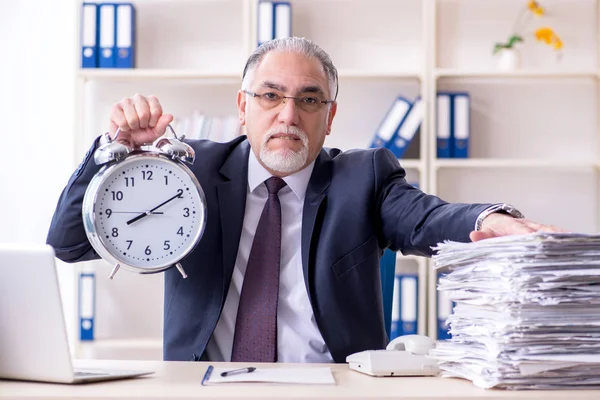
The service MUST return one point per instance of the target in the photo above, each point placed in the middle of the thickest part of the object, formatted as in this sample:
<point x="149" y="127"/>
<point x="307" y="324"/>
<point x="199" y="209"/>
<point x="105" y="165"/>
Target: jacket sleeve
<point x="67" y="234"/>
<point x="412" y="221"/>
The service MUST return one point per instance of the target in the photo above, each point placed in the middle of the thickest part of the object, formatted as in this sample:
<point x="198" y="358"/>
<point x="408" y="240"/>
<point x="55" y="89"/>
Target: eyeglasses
<point x="309" y="103"/>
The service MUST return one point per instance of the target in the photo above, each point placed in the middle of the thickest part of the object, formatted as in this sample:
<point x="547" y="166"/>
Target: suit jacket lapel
<point x="232" y="206"/>
<point x="316" y="194"/>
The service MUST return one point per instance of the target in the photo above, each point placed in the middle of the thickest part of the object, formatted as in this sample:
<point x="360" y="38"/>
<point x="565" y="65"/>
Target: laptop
<point x="33" y="335"/>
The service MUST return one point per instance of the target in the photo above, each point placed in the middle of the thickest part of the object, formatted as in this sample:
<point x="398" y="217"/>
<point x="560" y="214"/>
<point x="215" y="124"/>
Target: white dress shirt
<point x="298" y="337"/>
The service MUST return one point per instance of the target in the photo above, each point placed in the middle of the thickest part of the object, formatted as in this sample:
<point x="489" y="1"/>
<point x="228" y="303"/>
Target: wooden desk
<point x="181" y="380"/>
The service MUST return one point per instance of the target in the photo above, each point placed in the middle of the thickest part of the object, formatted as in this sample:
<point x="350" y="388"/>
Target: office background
<point x="533" y="137"/>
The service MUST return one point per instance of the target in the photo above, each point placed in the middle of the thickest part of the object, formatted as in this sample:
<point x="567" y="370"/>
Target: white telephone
<point x="403" y="356"/>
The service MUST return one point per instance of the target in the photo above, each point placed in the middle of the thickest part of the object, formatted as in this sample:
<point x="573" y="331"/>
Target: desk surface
<point x="181" y="380"/>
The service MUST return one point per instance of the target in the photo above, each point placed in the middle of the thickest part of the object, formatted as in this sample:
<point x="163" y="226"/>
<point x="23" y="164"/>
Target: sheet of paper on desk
<point x="525" y="311"/>
<point x="308" y="376"/>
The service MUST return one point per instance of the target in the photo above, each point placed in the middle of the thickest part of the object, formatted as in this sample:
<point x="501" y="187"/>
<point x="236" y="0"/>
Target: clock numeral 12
<point x="147" y="175"/>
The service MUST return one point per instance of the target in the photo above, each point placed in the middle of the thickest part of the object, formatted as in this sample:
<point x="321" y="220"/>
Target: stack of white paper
<point x="527" y="313"/>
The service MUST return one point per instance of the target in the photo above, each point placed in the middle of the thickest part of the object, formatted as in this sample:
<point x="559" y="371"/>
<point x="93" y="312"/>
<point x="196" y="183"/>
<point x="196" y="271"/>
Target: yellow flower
<point x="548" y="36"/>
<point x="543" y="34"/>
<point x="558" y="44"/>
<point x="535" y="8"/>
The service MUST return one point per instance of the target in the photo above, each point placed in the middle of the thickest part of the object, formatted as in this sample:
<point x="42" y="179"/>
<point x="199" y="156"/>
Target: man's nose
<point x="288" y="114"/>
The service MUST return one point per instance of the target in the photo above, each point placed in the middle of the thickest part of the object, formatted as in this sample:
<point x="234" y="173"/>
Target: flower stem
<point x="518" y="20"/>
<point x="519" y="24"/>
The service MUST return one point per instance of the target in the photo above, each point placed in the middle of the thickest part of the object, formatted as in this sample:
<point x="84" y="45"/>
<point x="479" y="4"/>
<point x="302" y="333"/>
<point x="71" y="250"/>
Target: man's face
<point x="286" y="137"/>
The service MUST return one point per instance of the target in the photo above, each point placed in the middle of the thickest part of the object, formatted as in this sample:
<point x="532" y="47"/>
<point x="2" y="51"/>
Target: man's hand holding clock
<point x="144" y="210"/>
<point x="139" y="119"/>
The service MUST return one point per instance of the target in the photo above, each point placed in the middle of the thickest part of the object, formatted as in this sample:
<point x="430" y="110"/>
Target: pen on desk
<point x="207" y="374"/>
<point x="238" y="371"/>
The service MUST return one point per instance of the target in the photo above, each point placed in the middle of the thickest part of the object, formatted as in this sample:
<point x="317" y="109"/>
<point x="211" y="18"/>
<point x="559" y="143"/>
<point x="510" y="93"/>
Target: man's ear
<point x="241" y="105"/>
<point x="331" y="115"/>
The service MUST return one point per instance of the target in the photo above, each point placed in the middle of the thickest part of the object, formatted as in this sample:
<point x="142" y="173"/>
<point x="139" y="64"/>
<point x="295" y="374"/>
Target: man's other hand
<point x="498" y="224"/>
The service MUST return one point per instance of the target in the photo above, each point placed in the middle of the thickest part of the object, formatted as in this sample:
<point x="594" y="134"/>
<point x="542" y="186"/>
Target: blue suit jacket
<point x="357" y="204"/>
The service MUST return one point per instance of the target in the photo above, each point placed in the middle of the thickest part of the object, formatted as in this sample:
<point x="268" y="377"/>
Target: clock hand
<point x="135" y="212"/>
<point x="144" y="214"/>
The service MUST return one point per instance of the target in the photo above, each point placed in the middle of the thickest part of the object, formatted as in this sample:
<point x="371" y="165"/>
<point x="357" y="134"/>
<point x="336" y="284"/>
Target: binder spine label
<point x="87" y="306"/>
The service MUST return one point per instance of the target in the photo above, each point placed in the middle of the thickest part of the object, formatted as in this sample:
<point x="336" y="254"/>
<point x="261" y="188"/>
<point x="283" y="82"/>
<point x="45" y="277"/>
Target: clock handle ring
<point x="168" y="127"/>
<point x="175" y="134"/>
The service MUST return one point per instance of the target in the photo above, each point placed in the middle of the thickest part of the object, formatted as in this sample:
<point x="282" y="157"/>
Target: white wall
<point x="37" y="120"/>
<point x="37" y="103"/>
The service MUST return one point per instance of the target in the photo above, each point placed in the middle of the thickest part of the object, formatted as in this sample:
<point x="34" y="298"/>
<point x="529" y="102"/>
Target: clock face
<point x="148" y="212"/>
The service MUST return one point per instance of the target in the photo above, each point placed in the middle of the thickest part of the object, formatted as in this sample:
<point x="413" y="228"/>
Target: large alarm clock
<point x="144" y="210"/>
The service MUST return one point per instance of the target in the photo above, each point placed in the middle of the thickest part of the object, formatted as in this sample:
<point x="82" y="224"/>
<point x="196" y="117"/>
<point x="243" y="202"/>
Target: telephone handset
<point x="403" y="356"/>
<point x="416" y="344"/>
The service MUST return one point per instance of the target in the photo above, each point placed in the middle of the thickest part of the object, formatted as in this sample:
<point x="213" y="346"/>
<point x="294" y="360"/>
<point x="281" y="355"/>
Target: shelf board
<point x="511" y="163"/>
<point x="150" y="73"/>
<point x="401" y="257"/>
<point x="411" y="164"/>
<point x="142" y="343"/>
<point x="370" y="74"/>
<point x="414" y="265"/>
<point x="166" y="74"/>
<point x="463" y="73"/>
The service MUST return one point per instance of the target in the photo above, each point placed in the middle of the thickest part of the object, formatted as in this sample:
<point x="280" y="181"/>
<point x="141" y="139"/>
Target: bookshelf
<point x="525" y="148"/>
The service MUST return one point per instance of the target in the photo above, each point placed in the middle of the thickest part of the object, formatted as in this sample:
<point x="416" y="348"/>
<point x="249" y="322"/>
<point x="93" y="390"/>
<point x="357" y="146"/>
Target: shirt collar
<point x="298" y="181"/>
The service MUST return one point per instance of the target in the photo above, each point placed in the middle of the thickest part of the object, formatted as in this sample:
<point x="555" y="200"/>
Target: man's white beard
<point x="284" y="160"/>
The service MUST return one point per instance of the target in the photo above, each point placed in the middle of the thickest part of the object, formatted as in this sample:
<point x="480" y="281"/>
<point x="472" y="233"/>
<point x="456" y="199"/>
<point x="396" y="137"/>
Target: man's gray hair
<point x="292" y="44"/>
